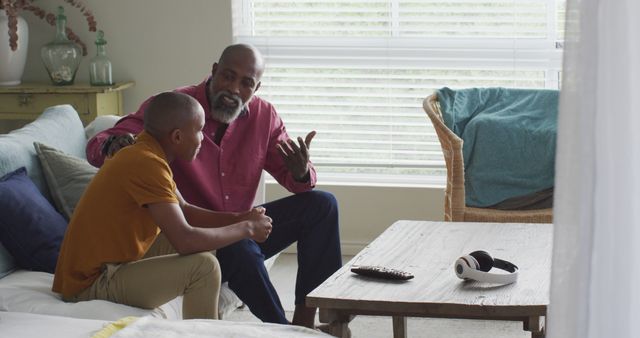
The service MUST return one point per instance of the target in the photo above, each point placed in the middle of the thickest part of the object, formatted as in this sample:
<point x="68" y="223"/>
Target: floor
<point x="283" y="276"/>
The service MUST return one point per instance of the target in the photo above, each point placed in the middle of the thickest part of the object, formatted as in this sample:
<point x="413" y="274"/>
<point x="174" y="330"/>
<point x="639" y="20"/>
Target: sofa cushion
<point x="57" y="126"/>
<point x="67" y="177"/>
<point x="30" y="228"/>
<point x="7" y="263"/>
<point x="30" y="291"/>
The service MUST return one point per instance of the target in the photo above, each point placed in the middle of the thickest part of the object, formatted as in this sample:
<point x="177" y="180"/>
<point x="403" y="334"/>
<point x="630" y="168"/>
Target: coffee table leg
<point x="535" y="325"/>
<point x="399" y="327"/>
<point x="338" y="322"/>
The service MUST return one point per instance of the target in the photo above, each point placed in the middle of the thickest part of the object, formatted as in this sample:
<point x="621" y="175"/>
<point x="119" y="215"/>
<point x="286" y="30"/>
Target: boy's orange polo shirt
<point x="111" y="223"/>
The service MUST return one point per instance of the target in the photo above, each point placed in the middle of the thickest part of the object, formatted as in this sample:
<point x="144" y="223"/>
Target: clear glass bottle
<point x="61" y="57"/>
<point x="100" y="66"/>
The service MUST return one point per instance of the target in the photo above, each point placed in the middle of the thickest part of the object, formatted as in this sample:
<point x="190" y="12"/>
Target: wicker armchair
<point x="455" y="208"/>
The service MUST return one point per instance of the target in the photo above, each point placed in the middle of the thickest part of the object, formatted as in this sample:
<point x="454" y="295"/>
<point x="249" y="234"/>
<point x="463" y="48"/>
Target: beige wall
<point x="365" y="212"/>
<point x="159" y="44"/>
<point x="162" y="44"/>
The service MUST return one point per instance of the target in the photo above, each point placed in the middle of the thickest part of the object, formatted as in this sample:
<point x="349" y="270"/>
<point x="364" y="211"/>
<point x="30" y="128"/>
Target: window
<point x="356" y="71"/>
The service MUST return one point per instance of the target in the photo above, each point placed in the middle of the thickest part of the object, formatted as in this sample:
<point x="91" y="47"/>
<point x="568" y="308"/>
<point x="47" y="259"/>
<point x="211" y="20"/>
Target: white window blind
<point x="356" y="71"/>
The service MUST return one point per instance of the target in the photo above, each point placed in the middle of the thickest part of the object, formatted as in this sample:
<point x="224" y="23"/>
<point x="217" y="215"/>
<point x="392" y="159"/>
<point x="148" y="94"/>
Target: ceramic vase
<point x="12" y="62"/>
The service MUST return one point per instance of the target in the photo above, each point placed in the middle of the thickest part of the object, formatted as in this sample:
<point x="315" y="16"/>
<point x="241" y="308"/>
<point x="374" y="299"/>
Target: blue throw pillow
<point x="30" y="228"/>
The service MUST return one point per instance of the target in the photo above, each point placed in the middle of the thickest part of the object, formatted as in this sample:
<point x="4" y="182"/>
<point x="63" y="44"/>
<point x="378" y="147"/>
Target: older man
<point x="243" y="135"/>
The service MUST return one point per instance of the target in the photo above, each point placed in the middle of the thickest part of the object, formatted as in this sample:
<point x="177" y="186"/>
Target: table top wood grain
<point x="429" y="250"/>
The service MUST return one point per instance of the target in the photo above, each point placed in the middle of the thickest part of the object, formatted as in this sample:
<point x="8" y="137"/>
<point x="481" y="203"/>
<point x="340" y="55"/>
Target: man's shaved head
<point x="234" y="79"/>
<point x="168" y="111"/>
<point x="241" y="50"/>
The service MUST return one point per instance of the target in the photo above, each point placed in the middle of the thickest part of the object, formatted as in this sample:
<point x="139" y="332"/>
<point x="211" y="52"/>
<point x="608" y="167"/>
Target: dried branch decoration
<point x="12" y="7"/>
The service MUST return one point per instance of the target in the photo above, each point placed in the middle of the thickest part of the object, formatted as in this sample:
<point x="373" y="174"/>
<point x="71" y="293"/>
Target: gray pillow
<point x="67" y="177"/>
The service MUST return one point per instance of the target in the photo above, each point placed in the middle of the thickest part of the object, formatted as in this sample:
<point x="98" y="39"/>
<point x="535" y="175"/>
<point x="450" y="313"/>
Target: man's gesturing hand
<point x="115" y="143"/>
<point x="259" y="224"/>
<point x="296" y="156"/>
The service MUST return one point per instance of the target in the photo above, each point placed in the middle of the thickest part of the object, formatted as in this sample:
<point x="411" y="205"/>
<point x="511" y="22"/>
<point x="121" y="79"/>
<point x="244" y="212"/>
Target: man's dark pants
<point x="311" y="219"/>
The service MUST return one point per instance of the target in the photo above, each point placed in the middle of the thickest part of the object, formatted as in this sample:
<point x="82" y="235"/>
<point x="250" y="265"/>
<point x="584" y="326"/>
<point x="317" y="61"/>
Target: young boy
<point x="134" y="240"/>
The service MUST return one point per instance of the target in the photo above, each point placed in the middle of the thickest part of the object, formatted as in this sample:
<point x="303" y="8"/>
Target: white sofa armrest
<point x="99" y="124"/>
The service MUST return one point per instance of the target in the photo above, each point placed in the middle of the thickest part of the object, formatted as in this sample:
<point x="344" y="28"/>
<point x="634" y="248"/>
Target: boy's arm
<point x="187" y="239"/>
<point x="205" y="218"/>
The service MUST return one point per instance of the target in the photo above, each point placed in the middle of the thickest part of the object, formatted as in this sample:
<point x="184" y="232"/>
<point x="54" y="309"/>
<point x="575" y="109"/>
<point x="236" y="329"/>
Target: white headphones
<point x="476" y="266"/>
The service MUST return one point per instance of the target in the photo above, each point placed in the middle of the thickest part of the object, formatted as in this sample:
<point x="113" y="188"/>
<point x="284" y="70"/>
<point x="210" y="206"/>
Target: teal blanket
<point x="509" y="140"/>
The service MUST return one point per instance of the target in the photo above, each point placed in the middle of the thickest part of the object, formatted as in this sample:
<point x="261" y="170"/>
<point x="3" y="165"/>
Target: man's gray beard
<point x="222" y="113"/>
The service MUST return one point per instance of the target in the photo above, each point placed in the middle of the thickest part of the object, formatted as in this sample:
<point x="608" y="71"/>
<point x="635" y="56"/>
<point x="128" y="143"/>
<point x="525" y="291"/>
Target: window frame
<point x="541" y="54"/>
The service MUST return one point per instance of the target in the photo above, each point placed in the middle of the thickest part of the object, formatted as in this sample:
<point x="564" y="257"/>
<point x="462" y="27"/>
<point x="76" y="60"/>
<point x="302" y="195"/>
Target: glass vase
<point x="61" y="57"/>
<point x="100" y="66"/>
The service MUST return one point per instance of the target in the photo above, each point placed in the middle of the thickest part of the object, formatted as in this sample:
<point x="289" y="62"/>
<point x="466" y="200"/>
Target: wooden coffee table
<point x="428" y="250"/>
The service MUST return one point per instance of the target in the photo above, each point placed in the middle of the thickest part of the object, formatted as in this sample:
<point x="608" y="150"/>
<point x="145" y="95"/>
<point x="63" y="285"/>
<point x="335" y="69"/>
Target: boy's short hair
<point x="168" y="111"/>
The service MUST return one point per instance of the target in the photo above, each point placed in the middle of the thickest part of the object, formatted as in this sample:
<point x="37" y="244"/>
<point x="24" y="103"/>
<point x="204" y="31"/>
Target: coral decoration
<point x="11" y="7"/>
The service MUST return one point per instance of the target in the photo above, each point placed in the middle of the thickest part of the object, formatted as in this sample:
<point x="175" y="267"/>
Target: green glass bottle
<point x="100" y="66"/>
<point x="61" y="57"/>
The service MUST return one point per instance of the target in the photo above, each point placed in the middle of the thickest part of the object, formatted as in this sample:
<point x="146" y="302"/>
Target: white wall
<point x="162" y="44"/>
<point x="159" y="44"/>
<point x="365" y="212"/>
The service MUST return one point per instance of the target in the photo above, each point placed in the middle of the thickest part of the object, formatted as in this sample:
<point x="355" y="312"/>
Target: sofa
<point x="25" y="286"/>
<point x="29" y="325"/>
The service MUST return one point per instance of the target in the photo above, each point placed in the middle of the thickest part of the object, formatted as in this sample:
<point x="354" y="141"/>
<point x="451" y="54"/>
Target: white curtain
<point x="595" y="288"/>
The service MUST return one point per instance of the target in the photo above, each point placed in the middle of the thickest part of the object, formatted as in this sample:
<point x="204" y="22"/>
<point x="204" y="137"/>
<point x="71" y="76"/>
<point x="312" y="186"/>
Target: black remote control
<point x="381" y="272"/>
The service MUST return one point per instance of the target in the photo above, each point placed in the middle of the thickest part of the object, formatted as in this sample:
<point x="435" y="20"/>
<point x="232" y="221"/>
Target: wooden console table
<point x="28" y="101"/>
<point x="428" y="250"/>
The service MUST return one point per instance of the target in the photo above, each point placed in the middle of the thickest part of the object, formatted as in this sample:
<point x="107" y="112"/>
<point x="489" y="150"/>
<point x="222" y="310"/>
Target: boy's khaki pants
<point x="159" y="277"/>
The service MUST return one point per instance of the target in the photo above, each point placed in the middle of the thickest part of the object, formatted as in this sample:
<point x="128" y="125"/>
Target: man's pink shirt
<point x="225" y="177"/>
